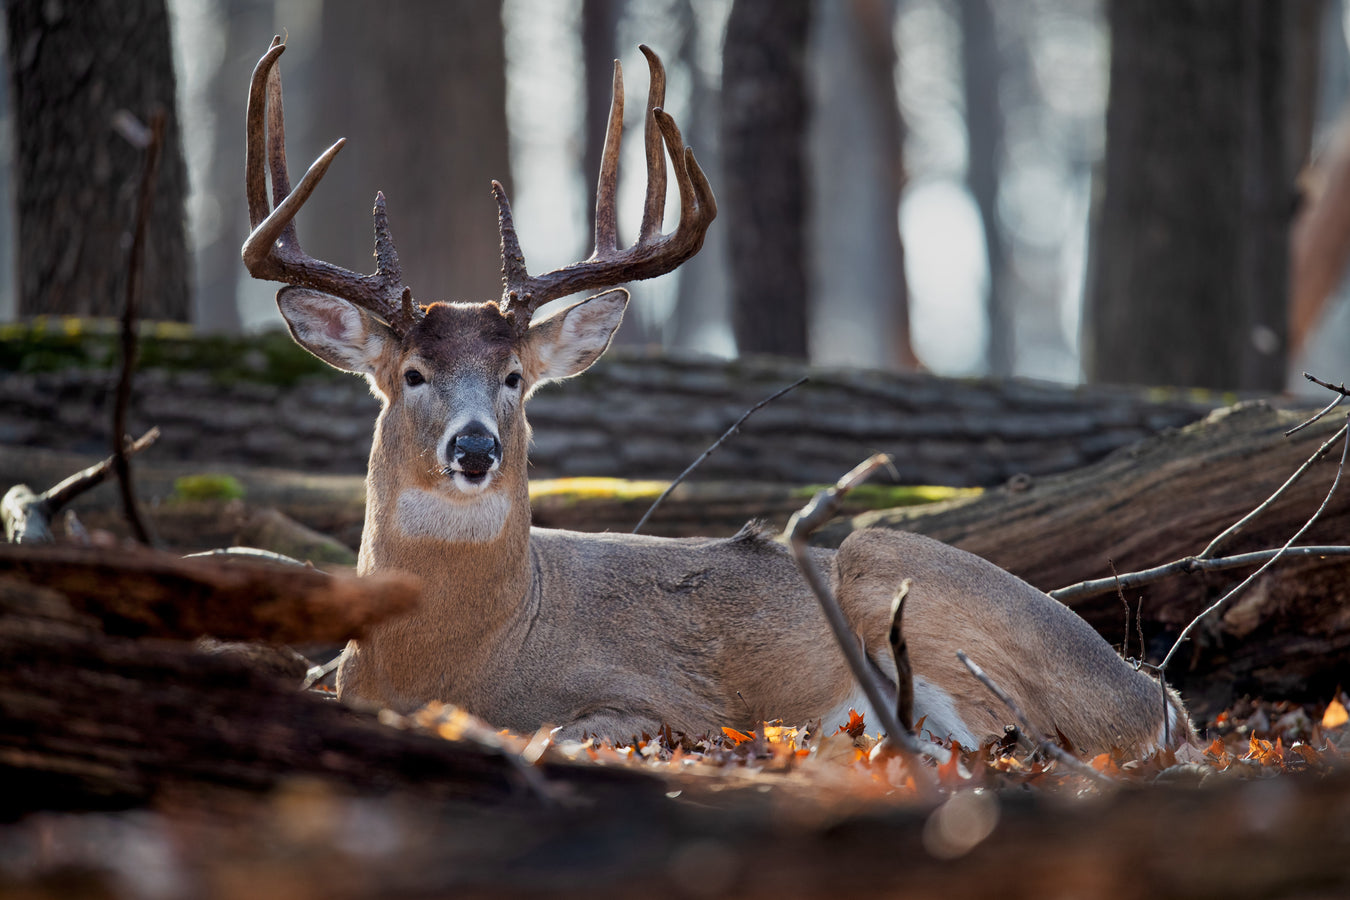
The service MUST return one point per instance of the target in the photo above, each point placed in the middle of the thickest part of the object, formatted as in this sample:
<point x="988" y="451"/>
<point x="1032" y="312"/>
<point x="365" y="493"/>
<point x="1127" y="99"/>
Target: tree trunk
<point x="701" y="321"/>
<point x="764" y="196"/>
<point x="73" y="67"/>
<point x="245" y="26"/>
<point x="419" y="88"/>
<point x="1191" y="264"/>
<point x="1163" y="500"/>
<point x="859" y="293"/>
<point x="981" y="69"/>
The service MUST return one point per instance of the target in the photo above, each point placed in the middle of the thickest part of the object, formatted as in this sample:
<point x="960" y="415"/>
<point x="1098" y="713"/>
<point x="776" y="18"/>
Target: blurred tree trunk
<point x="982" y="67"/>
<point x="599" y="48"/>
<point x="247" y="26"/>
<point x="599" y="36"/>
<point x="860" y="297"/>
<point x="420" y="88"/>
<point x="700" y="321"/>
<point x="764" y="197"/>
<point x="72" y="66"/>
<point x="1191" y="266"/>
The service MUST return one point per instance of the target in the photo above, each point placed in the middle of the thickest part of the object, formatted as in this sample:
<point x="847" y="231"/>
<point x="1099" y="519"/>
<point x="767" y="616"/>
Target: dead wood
<point x="632" y="416"/>
<point x="331" y="508"/>
<point x="143" y="593"/>
<point x="1164" y="499"/>
<point x="93" y="720"/>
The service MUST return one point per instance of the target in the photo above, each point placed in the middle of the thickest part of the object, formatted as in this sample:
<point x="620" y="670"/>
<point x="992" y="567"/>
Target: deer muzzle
<point x="474" y="453"/>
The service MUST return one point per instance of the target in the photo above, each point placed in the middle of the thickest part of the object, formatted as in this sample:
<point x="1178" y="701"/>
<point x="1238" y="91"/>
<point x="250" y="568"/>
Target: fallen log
<point x="139" y="592"/>
<point x="634" y="415"/>
<point x="326" y="512"/>
<point x="94" y="721"/>
<point x="1162" y="500"/>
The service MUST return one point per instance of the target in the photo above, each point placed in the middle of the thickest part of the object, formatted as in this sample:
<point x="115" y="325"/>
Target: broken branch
<point x="1043" y="743"/>
<point x="28" y="516"/>
<point x="821" y="508"/>
<point x="717" y="443"/>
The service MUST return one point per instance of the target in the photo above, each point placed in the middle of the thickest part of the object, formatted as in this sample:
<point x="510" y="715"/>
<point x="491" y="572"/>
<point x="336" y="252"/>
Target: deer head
<point x="453" y="377"/>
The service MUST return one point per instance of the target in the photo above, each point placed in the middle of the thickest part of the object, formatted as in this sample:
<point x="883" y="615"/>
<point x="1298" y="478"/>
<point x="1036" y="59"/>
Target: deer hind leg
<point x="869" y="571"/>
<point x="1064" y="677"/>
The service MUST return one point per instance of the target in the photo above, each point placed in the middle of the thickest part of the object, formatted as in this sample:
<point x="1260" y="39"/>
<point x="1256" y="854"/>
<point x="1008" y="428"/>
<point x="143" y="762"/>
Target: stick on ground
<point x="821" y="508"/>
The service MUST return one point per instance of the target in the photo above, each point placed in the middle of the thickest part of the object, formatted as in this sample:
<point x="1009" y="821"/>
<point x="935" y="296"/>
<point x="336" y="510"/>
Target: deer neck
<point x="471" y="552"/>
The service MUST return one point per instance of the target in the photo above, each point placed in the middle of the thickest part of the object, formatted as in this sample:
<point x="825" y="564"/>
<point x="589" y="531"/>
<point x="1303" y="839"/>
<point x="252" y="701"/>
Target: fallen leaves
<point x="1252" y="740"/>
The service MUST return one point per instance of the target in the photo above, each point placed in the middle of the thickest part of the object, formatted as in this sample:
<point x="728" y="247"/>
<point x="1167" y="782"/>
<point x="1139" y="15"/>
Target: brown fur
<point x="619" y="634"/>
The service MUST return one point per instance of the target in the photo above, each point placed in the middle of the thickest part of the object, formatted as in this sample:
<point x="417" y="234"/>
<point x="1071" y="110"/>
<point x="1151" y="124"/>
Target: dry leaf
<point x="1335" y="716"/>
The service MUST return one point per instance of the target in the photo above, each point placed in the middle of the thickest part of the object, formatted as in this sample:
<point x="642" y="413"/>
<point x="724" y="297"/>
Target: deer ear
<point x="342" y="335"/>
<point x="568" y="342"/>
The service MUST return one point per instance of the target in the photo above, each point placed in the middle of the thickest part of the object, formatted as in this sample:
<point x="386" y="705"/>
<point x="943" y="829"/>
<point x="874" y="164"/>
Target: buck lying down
<point x="618" y="634"/>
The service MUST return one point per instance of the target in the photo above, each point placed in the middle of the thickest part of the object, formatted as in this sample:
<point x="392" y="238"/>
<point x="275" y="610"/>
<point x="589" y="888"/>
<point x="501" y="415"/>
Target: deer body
<point x="619" y="634"/>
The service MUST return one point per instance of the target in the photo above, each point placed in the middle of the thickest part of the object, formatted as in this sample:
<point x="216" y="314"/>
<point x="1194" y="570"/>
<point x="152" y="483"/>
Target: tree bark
<point x="1162" y="500"/>
<point x="420" y="89"/>
<point x="981" y="70"/>
<point x="859" y="294"/>
<point x="634" y="417"/>
<point x="1191" y="263"/>
<point x="245" y="27"/>
<point x="73" y="67"/>
<point x="701" y="321"/>
<point x="764" y="196"/>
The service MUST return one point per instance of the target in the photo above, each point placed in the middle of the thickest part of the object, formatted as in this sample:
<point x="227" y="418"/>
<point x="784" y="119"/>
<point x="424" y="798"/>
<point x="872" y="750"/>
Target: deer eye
<point x="413" y="378"/>
<point x="513" y="380"/>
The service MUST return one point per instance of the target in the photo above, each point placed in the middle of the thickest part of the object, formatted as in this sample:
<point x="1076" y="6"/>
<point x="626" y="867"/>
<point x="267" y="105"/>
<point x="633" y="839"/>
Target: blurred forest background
<point x="1139" y="191"/>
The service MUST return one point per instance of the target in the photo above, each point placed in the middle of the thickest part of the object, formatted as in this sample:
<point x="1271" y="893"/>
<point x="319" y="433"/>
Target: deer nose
<point x="474" y="451"/>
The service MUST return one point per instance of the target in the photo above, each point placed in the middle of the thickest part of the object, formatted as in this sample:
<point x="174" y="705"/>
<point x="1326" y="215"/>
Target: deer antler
<point x="654" y="253"/>
<point x="272" y="250"/>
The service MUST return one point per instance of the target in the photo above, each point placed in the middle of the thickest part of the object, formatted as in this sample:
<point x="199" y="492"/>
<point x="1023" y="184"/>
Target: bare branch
<point x="1236" y="528"/>
<point x="1044" y="744"/>
<point x="1190" y="565"/>
<point x="717" y="443"/>
<point x="130" y="311"/>
<point x="821" y="508"/>
<point x="28" y="516"/>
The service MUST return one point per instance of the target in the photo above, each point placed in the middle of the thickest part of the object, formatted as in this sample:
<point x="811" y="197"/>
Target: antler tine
<point x="607" y="187"/>
<point x="653" y="254"/>
<point x="654" y="209"/>
<point x="272" y="250"/>
<point x="276" y="143"/>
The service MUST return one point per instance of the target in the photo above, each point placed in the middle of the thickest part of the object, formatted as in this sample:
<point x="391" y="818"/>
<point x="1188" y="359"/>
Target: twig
<point x="1044" y="744"/>
<point x="134" y="262"/>
<point x="904" y="671"/>
<point x="1185" y="632"/>
<point x="1120" y="592"/>
<point x="717" y="443"/>
<point x="1317" y="417"/>
<point x="1236" y="528"/>
<point x="1190" y="565"/>
<point x="28" y="516"/>
<point x="1338" y="388"/>
<point x="821" y="508"/>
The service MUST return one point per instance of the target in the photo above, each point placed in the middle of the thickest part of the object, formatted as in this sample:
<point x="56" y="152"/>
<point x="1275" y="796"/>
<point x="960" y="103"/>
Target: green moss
<point x="50" y="344"/>
<point x="206" y="487"/>
<point x="891" y="496"/>
<point x="579" y="490"/>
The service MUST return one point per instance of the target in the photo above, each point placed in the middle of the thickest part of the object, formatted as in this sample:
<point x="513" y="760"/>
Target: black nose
<point x="475" y="451"/>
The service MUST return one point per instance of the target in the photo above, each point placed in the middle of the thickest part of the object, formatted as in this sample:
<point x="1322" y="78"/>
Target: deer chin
<point x="468" y="483"/>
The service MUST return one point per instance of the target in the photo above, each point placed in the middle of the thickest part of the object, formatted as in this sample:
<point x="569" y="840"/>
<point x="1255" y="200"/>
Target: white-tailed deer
<point x="618" y="634"/>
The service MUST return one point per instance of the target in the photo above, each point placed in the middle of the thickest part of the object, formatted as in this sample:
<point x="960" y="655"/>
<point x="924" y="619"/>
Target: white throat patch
<point x="427" y="514"/>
